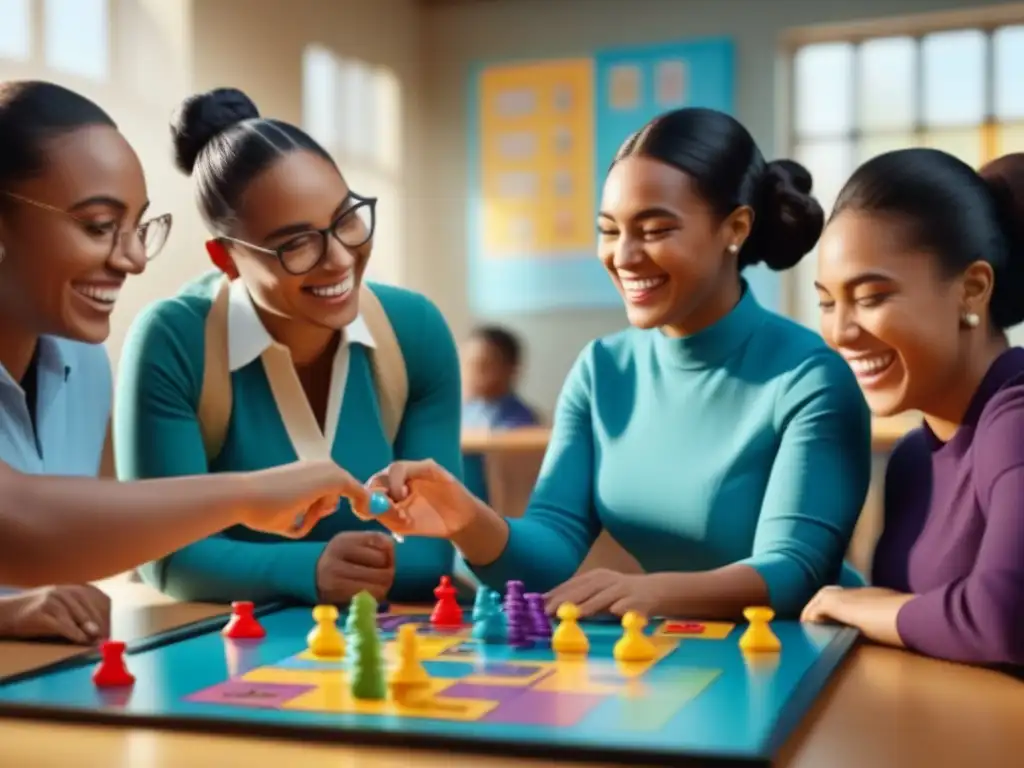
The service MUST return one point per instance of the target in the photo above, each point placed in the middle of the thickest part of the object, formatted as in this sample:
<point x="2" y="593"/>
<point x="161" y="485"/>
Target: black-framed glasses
<point x="152" y="234"/>
<point x="303" y="252"/>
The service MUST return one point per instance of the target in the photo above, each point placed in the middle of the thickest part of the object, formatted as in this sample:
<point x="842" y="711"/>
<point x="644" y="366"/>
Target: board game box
<point x="700" y="700"/>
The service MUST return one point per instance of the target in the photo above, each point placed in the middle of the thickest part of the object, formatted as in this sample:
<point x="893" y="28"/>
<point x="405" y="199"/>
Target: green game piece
<point x="366" y="663"/>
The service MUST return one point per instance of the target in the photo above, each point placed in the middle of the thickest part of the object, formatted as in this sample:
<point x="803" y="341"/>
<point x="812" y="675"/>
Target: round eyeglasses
<point x="152" y="234"/>
<point x="304" y="251"/>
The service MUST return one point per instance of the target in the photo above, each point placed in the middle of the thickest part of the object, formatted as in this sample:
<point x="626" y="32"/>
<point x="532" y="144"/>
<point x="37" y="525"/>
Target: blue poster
<point x="542" y="135"/>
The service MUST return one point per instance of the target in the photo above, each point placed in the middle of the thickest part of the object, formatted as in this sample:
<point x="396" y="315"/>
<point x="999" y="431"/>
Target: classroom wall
<point x="457" y="34"/>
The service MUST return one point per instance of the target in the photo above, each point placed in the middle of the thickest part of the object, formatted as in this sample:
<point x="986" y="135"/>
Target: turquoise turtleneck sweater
<point x="748" y="443"/>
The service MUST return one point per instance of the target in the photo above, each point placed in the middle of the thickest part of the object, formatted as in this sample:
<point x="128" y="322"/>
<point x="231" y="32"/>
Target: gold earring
<point x="971" y="319"/>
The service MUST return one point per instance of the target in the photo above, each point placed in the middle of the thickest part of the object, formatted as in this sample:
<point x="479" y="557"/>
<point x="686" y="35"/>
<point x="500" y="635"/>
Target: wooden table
<point x="885" y="709"/>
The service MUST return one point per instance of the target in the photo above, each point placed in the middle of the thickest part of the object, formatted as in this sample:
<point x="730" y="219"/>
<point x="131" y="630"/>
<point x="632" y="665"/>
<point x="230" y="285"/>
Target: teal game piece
<point x="492" y="627"/>
<point x="379" y="503"/>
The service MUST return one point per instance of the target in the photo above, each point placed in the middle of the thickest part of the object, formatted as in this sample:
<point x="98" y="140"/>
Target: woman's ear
<point x="221" y="258"/>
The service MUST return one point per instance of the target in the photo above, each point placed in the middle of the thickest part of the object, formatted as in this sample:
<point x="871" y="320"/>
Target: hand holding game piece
<point x="355" y="561"/>
<point x="605" y="591"/>
<point x="290" y="500"/>
<point x="426" y="499"/>
<point x="79" y="613"/>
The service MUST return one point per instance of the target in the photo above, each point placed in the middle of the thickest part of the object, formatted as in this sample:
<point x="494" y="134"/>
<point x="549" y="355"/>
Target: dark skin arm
<point x="56" y="530"/>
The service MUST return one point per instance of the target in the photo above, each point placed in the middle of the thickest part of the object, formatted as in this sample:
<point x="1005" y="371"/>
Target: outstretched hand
<point x="426" y="500"/>
<point x="605" y="591"/>
<point x="290" y="500"/>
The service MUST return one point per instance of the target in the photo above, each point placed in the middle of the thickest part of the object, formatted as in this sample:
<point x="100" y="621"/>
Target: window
<point x="353" y="109"/>
<point x="955" y="89"/>
<point x="15" y="29"/>
<point x="76" y="37"/>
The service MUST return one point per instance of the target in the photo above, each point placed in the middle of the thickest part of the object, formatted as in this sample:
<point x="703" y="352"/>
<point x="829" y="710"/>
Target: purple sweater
<point x="954" y="528"/>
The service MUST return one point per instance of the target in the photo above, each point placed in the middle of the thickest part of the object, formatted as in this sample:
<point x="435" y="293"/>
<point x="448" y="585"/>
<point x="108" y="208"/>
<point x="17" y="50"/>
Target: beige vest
<point x="215" y="400"/>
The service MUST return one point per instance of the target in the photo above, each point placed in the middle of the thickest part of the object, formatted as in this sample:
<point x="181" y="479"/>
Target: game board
<point x="700" y="700"/>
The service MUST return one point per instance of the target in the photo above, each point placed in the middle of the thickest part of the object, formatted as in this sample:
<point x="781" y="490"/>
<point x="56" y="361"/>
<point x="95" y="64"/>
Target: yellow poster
<point x="537" y="158"/>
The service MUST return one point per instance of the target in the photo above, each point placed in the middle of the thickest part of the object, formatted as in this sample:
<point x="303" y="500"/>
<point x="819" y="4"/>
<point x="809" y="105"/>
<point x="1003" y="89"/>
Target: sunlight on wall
<point x="354" y="110"/>
<point x="132" y="58"/>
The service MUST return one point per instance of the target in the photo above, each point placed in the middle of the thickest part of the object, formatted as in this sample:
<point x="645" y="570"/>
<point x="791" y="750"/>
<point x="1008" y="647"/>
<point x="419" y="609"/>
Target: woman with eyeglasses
<point x="74" y="226"/>
<point x="305" y="357"/>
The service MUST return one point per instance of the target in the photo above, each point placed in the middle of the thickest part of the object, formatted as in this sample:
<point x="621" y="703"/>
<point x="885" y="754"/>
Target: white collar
<point x="248" y="338"/>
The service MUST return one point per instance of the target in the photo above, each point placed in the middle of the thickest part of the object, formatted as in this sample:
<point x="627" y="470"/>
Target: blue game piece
<point x="492" y="628"/>
<point x="482" y="603"/>
<point x="379" y="503"/>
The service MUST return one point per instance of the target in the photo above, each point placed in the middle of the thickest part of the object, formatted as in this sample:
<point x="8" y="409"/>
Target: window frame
<point x="987" y="20"/>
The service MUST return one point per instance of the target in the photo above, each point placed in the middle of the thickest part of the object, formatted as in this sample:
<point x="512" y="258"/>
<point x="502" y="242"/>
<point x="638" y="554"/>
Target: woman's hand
<point x="79" y="613"/>
<point x="604" y="591"/>
<point x="427" y="500"/>
<point x="290" y="500"/>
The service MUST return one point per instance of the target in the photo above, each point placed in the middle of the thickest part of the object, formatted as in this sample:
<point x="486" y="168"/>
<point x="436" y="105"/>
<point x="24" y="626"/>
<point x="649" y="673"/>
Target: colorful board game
<point x="696" y="698"/>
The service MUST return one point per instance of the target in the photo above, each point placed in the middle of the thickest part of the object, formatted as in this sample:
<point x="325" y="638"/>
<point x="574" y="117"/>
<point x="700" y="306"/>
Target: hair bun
<point x="201" y="117"/>
<point x="1004" y="177"/>
<point x="790" y="219"/>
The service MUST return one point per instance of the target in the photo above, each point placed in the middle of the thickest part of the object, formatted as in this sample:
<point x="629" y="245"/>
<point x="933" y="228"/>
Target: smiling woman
<point x="725" y="447"/>
<point x="920" y="273"/>
<point x="312" y="361"/>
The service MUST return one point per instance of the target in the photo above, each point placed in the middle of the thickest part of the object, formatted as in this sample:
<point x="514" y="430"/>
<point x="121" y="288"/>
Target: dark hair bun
<point x="788" y="221"/>
<point x="201" y="117"/>
<point x="1004" y="176"/>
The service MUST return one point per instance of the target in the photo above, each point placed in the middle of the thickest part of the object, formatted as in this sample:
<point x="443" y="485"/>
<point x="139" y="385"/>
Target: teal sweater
<point x="746" y="443"/>
<point x="157" y="435"/>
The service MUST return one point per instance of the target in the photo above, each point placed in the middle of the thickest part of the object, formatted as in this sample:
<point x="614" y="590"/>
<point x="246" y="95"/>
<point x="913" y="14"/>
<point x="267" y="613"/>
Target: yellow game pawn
<point x="409" y="676"/>
<point x="634" y="645"/>
<point x="759" y="638"/>
<point x="325" y="639"/>
<point x="568" y="638"/>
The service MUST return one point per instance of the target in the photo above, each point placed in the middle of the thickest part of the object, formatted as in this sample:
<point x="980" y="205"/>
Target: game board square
<point x="556" y="710"/>
<point x="480" y="692"/>
<point x="241" y="693"/>
<point x="497" y="669"/>
<point x="449" y="670"/>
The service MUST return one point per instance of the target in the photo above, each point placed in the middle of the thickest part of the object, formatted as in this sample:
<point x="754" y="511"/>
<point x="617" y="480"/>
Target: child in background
<point x="491" y="364"/>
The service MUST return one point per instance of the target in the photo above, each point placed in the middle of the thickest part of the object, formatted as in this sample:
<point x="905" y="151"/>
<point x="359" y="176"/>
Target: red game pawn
<point x="243" y="624"/>
<point x="112" y="672"/>
<point x="447" y="614"/>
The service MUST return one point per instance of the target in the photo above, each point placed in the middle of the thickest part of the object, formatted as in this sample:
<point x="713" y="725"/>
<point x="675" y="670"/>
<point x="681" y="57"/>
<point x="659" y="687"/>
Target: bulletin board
<point x="541" y="137"/>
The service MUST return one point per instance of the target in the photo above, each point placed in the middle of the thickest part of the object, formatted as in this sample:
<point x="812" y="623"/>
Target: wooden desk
<point x="886" y="709"/>
<point x="137" y="611"/>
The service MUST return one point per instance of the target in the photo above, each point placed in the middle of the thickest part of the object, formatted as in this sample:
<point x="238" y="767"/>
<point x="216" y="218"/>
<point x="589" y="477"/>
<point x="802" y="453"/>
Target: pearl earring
<point x="734" y="249"/>
<point x="971" y="319"/>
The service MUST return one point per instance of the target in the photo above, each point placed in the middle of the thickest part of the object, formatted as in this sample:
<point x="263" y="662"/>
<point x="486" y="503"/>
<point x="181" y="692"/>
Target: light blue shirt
<point x="73" y="400"/>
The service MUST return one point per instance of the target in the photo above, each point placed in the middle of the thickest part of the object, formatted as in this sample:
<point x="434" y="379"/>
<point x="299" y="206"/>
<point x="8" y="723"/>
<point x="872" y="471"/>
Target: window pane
<point x="830" y="164"/>
<point x="319" y="96"/>
<point x="1010" y="138"/>
<point x="75" y="34"/>
<point x="823" y="89"/>
<point x="968" y="145"/>
<point x="872" y="146"/>
<point x="1008" y="64"/>
<point x="886" y="83"/>
<point x="15" y="30"/>
<point x="358" y="108"/>
<point x="954" y="77"/>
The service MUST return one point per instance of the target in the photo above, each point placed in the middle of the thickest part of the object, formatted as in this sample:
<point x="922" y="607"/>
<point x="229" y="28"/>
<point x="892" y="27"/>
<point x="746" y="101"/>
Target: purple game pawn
<point x="518" y="623"/>
<point x="540" y="624"/>
<point x="514" y="594"/>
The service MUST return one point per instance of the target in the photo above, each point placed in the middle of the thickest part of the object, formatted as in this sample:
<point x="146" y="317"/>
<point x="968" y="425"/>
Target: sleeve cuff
<point x="789" y="588"/>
